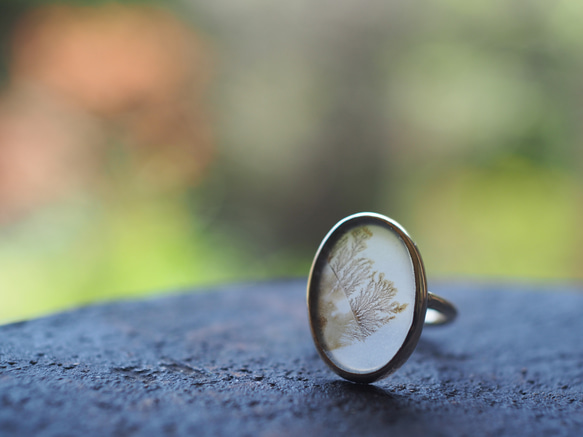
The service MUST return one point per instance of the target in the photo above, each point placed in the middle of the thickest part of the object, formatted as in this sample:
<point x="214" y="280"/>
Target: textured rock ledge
<point x="239" y="360"/>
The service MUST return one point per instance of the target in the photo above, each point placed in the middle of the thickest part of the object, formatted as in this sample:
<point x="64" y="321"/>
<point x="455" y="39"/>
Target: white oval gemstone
<point x="362" y="296"/>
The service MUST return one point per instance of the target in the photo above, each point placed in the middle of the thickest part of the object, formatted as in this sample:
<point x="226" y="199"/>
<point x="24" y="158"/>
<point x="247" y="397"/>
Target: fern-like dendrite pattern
<point x="371" y="297"/>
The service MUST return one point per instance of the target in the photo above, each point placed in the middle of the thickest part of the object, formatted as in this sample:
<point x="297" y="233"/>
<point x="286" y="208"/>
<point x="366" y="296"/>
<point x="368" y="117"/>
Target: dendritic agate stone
<point x="361" y="295"/>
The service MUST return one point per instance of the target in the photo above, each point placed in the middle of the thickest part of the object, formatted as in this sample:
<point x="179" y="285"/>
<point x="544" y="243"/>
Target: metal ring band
<point x="439" y="310"/>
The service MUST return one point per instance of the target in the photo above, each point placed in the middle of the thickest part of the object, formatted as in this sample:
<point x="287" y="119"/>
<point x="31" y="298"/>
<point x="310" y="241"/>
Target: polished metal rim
<point x="444" y="310"/>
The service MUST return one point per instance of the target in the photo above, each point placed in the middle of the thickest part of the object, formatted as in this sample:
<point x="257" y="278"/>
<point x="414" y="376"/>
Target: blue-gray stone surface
<point x="239" y="360"/>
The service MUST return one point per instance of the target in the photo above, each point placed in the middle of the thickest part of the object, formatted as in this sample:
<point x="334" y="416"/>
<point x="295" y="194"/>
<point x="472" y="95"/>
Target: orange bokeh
<point x="83" y="79"/>
<point x="108" y="59"/>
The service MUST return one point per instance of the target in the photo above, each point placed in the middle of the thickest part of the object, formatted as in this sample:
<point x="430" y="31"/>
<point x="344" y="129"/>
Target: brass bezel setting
<point x="421" y="295"/>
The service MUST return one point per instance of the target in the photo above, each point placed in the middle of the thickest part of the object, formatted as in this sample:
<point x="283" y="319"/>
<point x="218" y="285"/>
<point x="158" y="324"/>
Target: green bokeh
<point x="466" y="118"/>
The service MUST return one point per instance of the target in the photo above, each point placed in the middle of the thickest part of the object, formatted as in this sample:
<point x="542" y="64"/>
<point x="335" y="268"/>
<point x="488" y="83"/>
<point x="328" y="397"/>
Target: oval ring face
<point x="367" y="297"/>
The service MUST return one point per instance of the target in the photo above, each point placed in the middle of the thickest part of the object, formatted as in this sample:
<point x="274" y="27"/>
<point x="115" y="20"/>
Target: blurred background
<point x="159" y="145"/>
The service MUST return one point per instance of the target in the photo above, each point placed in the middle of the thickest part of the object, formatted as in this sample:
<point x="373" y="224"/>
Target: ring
<point x="368" y="298"/>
